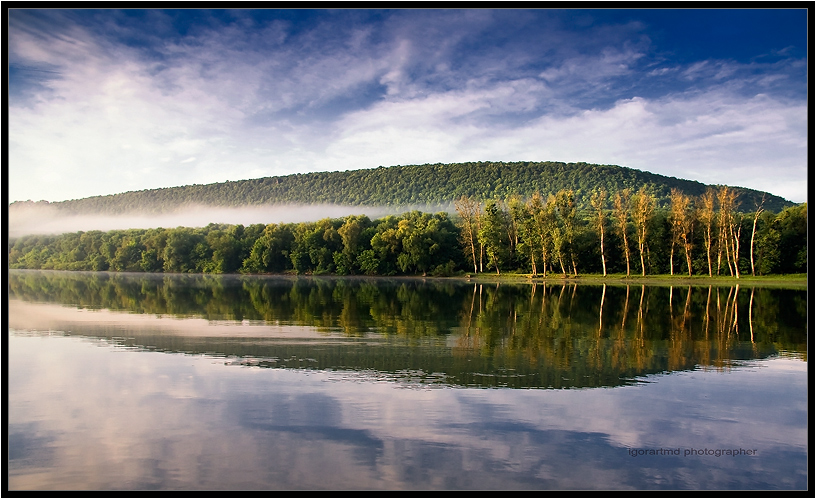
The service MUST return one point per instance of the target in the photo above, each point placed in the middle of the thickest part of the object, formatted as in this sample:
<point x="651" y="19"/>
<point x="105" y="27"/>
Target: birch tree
<point x="758" y="211"/>
<point x="643" y="204"/>
<point x="467" y="210"/>
<point x="687" y="233"/>
<point x="565" y="200"/>
<point x="725" y="199"/>
<point x="543" y="218"/>
<point x="556" y="233"/>
<point x="598" y="202"/>
<point x="527" y="232"/>
<point x="678" y="210"/>
<point x="621" y="213"/>
<point x="492" y="232"/>
<point x="706" y="216"/>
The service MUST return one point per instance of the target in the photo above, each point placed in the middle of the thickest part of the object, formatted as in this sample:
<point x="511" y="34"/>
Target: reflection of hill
<point x="461" y="334"/>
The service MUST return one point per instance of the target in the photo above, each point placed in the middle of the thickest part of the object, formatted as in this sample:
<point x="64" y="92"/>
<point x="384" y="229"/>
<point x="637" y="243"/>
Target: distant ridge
<point x="396" y="186"/>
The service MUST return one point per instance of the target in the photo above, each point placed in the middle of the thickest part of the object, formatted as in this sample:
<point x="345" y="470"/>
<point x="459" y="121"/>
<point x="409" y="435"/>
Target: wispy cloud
<point x="127" y="107"/>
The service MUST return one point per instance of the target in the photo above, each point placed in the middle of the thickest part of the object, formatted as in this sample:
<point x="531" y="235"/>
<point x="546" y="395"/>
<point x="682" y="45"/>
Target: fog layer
<point x="44" y="219"/>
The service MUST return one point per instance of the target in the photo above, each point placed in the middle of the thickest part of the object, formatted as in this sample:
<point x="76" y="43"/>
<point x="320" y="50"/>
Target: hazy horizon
<point x="43" y="219"/>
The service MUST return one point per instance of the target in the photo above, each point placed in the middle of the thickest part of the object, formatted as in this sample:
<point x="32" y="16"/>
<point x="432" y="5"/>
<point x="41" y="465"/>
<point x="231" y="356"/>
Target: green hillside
<point x="409" y="185"/>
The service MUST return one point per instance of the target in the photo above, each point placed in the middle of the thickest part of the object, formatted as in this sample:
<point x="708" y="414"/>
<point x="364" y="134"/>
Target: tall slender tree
<point x="544" y="219"/>
<point x="678" y="215"/>
<point x="706" y="215"/>
<point x="687" y="233"/>
<point x="736" y="230"/>
<point x="643" y="204"/>
<point x="527" y="231"/>
<point x="468" y="209"/>
<point x="556" y="230"/>
<point x="510" y="226"/>
<point x="598" y="202"/>
<point x="492" y="233"/>
<point x="726" y="198"/>
<point x="478" y="216"/>
<point x="621" y="213"/>
<point x="565" y="200"/>
<point x="757" y="212"/>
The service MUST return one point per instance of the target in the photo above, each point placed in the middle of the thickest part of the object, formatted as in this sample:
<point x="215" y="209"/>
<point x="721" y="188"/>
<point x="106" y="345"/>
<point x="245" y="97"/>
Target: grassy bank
<point x="791" y="281"/>
<point x="785" y="280"/>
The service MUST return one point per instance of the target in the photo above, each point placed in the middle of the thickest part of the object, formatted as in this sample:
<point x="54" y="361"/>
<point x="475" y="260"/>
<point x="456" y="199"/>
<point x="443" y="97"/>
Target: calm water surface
<point x="144" y="382"/>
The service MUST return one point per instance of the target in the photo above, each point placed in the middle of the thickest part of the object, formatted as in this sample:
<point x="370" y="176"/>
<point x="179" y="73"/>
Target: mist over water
<point x="44" y="219"/>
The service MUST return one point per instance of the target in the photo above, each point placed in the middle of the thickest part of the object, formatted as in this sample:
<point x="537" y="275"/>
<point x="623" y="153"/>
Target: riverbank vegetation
<point x="625" y="232"/>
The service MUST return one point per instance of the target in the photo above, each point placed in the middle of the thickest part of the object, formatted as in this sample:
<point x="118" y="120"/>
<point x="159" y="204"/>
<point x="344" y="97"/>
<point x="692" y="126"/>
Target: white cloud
<point x="121" y="409"/>
<point x="230" y="104"/>
<point x="713" y="137"/>
<point x="593" y="69"/>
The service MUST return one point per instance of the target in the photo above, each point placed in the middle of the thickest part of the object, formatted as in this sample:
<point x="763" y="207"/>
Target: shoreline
<point x="794" y="281"/>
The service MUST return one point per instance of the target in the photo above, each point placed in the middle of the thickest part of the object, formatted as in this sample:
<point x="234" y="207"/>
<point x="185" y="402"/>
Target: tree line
<point x="429" y="184"/>
<point x="621" y="232"/>
<point x="413" y="243"/>
<point x="628" y="232"/>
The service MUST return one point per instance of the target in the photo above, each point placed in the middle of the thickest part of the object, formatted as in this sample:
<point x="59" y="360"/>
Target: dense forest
<point x="430" y="184"/>
<point x="621" y="232"/>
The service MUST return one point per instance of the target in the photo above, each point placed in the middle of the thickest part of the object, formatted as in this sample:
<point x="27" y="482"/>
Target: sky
<point x="107" y="101"/>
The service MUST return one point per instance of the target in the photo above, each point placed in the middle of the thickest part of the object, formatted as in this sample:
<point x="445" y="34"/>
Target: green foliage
<point x="351" y="233"/>
<point x="491" y="235"/>
<point x="791" y="225"/>
<point x="527" y="235"/>
<point x="182" y="250"/>
<point x="271" y="251"/>
<point x="415" y="184"/>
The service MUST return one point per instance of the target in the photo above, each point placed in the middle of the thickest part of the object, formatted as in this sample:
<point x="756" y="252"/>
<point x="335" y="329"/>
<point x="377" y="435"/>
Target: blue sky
<point x="105" y="101"/>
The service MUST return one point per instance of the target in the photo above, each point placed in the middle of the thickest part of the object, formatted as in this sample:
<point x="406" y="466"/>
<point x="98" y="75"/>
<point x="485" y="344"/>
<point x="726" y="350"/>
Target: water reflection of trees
<point x="553" y="334"/>
<point x="633" y="328"/>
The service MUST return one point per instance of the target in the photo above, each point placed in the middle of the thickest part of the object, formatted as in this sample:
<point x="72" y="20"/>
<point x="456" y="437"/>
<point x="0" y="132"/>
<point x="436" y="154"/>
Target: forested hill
<point x="410" y="185"/>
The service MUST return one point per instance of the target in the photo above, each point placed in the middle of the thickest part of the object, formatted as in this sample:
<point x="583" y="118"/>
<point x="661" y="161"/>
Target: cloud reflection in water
<point x="112" y="418"/>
